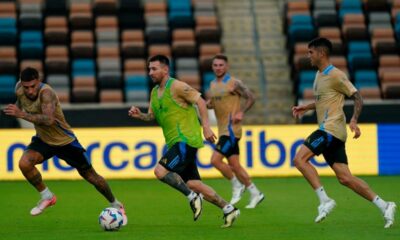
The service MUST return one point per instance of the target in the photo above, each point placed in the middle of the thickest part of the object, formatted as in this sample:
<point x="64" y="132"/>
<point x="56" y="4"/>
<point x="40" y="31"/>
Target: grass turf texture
<point x="156" y="211"/>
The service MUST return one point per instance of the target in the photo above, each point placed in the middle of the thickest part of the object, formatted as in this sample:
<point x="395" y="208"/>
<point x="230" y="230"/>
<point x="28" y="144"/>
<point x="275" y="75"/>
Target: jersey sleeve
<point x="343" y="85"/>
<point x="186" y="92"/>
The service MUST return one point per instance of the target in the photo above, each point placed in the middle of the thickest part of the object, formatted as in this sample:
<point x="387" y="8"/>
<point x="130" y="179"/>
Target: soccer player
<point x="226" y="93"/>
<point x="172" y="105"/>
<point x="38" y="103"/>
<point x="330" y="88"/>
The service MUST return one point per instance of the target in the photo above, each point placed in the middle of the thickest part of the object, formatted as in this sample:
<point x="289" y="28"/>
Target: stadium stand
<point x="365" y="43"/>
<point x="95" y="51"/>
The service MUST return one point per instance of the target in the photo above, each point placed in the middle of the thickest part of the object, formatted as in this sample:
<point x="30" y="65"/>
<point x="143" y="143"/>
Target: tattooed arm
<point x="48" y="101"/>
<point x="245" y="92"/>
<point x="358" y="104"/>
<point x="135" y="112"/>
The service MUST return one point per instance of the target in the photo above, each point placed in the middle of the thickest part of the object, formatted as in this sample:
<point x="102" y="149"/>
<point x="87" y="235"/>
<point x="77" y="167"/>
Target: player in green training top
<point x="330" y="88"/>
<point x="171" y="104"/>
<point x="38" y="103"/>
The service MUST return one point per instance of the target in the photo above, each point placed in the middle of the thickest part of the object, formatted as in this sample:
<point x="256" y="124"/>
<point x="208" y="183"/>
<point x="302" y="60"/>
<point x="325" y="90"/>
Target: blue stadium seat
<point x="359" y="61"/>
<point x="301" y="19"/>
<point x="304" y="86"/>
<point x="31" y="45"/>
<point x="7" y="89"/>
<point x="366" y="78"/>
<point x="31" y="50"/>
<point x="307" y="76"/>
<point x="350" y="4"/>
<point x="180" y="14"/>
<point x="208" y="77"/>
<point x="359" y="47"/>
<point x="31" y="36"/>
<point x="83" y="67"/>
<point x="8" y="31"/>
<point x="300" y="33"/>
<point x="136" y="81"/>
<point x="136" y="88"/>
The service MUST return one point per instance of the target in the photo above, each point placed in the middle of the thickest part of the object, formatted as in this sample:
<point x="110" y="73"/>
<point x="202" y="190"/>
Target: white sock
<point x="46" y="193"/>
<point x="228" y="208"/>
<point x="191" y="196"/>
<point x="253" y="189"/>
<point x="380" y="203"/>
<point x="116" y="204"/>
<point x="323" y="197"/>
<point x="235" y="182"/>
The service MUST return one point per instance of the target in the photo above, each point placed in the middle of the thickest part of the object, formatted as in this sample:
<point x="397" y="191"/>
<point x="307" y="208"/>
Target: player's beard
<point x="221" y="75"/>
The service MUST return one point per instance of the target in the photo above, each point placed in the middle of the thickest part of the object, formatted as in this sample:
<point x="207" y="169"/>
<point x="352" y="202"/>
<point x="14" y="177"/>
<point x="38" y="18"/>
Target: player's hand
<point x="238" y="117"/>
<point x="298" y="111"/>
<point x="354" y="128"/>
<point x="209" y="134"/>
<point x="13" y="110"/>
<point x="134" y="112"/>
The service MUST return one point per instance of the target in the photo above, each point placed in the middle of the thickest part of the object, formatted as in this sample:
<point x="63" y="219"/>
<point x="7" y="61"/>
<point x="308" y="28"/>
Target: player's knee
<point x="158" y="173"/>
<point x="235" y="167"/>
<point x="298" y="162"/>
<point x="25" y="164"/>
<point x="215" y="162"/>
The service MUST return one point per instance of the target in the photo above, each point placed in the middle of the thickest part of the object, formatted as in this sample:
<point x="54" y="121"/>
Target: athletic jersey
<point x="59" y="133"/>
<point x="226" y="104"/>
<point x="175" y="113"/>
<point x="330" y="88"/>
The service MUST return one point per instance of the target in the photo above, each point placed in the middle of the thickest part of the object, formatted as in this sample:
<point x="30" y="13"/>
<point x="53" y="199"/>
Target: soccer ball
<point x="110" y="219"/>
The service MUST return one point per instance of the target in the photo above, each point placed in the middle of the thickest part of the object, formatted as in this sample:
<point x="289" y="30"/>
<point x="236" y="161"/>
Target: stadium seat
<point x="135" y="67"/>
<point x="8" y="9"/>
<point x="83" y="67"/>
<point x="105" y="7"/>
<point x="183" y="43"/>
<point x="111" y="96"/>
<point x="80" y="16"/>
<point x="370" y="93"/>
<point x="8" y="60"/>
<point x="136" y="88"/>
<point x="31" y="45"/>
<point x="56" y="30"/>
<point x="133" y="44"/>
<point x="55" y="7"/>
<point x="8" y="31"/>
<point x="376" y="5"/>
<point x="30" y="21"/>
<point x="163" y="49"/>
<point x="7" y="87"/>
<point x="366" y="78"/>
<point x="325" y="18"/>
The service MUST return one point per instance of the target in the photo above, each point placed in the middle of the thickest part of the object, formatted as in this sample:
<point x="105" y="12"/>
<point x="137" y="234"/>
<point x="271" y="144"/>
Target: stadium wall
<point x="266" y="151"/>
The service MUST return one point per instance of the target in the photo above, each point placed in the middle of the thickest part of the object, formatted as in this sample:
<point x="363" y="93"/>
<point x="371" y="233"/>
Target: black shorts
<point x="181" y="159"/>
<point x="331" y="148"/>
<point x="228" y="146"/>
<point x="73" y="153"/>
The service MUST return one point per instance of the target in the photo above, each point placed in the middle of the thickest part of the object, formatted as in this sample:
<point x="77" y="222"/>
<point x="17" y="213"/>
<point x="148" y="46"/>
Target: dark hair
<point x="29" y="74"/>
<point x="221" y="57"/>
<point x="161" y="58"/>
<point x="323" y="43"/>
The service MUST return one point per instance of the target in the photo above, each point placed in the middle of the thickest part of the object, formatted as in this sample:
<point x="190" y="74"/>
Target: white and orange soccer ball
<point x="110" y="219"/>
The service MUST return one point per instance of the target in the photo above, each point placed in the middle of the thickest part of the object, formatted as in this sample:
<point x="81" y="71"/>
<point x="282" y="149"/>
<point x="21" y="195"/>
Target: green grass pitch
<point x="156" y="211"/>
